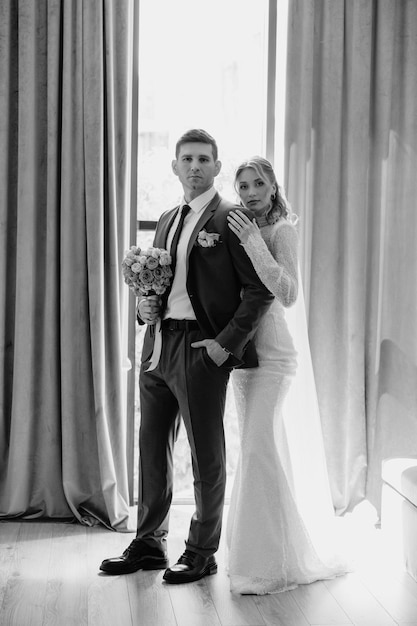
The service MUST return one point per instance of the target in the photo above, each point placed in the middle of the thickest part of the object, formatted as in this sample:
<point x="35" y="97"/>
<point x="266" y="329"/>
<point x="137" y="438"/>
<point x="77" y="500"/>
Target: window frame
<point x="150" y="225"/>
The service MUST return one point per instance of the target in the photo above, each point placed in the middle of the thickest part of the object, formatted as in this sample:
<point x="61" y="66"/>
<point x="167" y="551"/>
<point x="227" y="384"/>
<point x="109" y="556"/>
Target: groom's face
<point x="196" y="168"/>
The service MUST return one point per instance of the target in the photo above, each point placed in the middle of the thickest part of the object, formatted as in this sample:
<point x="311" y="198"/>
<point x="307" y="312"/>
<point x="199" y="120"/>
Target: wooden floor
<point x="49" y="576"/>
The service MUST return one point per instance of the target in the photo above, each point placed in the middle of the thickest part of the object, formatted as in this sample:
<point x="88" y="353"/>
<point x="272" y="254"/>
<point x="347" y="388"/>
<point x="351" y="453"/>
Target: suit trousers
<point x="189" y="384"/>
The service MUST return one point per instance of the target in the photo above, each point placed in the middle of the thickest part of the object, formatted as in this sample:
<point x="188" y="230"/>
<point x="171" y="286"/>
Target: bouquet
<point x="147" y="272"/>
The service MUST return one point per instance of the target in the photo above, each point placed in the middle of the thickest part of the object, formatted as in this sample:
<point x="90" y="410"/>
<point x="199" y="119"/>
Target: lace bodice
<point x="273" y="252"/>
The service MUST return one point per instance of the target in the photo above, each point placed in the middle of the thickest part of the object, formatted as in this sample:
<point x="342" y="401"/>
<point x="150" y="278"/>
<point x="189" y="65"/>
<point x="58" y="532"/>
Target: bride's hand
<point x="241" y="225"/>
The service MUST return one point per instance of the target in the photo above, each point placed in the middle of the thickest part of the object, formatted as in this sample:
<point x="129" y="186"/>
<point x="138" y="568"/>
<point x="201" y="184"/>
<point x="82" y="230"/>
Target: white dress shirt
<point x="179" y="305"/>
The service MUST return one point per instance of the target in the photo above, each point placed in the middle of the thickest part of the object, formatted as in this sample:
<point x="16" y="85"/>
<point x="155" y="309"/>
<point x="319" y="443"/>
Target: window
<point x="211" y="65"/>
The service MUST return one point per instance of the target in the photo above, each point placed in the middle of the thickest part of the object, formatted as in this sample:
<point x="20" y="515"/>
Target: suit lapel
<point x="165" y="224"/>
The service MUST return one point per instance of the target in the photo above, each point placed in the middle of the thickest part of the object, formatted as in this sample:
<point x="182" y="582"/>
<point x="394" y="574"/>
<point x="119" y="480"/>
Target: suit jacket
<point x="226" y="294"/>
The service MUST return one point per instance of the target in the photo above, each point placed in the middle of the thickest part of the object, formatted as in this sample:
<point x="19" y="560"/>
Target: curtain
<point x="65" y="90"/>
<point x="351" y="155"/>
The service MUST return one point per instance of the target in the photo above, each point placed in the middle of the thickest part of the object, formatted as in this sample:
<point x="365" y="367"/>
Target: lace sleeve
<point x="276" y="268"/>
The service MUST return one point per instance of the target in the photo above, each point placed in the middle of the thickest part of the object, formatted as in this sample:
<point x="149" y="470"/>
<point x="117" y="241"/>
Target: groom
<point x="208" y="318"/>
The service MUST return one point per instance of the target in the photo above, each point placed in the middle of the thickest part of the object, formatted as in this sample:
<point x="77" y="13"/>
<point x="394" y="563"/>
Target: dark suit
<point x="228" y="300"/>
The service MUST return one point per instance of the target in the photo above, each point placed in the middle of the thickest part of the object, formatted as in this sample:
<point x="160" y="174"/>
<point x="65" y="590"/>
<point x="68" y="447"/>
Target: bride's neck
<point x="261" y="220"/>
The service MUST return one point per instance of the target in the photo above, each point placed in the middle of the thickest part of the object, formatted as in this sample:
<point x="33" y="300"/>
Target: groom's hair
<point x="197" y="135"/>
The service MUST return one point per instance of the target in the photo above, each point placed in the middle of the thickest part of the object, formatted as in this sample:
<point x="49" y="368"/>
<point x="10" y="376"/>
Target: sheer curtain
<point x="351" y="145"/>
<point x="64" y="172"/>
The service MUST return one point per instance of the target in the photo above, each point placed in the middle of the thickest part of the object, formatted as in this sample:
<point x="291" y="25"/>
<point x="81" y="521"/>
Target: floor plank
<point x="193" y="605"/>
<point x="394" y="596"/>
<point x="280" y="609"/>
<point x="66" y="600"/>
<point x="150" y="599"/>
<point x="360" y="606"/>
<point x="108" y="597"/>
<point x="8" y="538"/>
<point x="25" y="591"/>
<point x="319" y="605"/>
<point x="49" y="575"/>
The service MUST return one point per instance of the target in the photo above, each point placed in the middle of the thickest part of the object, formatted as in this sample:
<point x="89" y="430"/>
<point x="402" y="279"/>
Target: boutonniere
<point x="207" y="240"/>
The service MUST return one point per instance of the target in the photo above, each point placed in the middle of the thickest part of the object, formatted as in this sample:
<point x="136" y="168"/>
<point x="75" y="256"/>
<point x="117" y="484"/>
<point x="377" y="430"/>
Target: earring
<point x="273" y="196"/>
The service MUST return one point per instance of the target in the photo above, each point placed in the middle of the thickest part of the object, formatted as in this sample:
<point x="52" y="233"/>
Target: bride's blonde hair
<point x="280" y="207"/>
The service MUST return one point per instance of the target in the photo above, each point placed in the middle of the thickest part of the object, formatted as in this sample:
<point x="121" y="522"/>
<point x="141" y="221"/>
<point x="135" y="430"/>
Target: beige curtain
<point x="351" y="145"/>
<point x="64" y="176"/>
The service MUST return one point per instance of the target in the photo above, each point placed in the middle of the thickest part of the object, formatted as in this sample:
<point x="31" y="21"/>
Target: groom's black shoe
<point x="136" y="556"/>
<point x="190" y="567"/>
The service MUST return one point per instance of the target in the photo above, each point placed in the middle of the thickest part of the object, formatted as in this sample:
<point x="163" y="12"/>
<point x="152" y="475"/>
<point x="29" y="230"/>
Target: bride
<point x="281" y="521"/>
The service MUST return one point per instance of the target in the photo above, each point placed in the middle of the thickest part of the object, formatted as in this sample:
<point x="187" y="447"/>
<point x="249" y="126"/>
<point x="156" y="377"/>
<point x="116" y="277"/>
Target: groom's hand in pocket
<point x="214" y="350"/>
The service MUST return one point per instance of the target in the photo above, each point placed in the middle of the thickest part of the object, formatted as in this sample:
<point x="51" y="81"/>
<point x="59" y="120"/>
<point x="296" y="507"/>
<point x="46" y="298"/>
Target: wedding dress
<point x="281" y="528"/>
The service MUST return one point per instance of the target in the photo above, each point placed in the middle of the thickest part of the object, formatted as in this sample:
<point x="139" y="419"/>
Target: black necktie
<point x="174" y="245"/>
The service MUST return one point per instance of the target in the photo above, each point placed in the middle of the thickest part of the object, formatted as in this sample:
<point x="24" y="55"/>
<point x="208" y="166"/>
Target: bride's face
<point x="254" y="192"/>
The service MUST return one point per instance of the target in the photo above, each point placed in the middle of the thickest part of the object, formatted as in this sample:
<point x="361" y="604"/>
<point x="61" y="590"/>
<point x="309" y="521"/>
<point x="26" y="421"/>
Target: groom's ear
<point x="217" y="167"/>
<point x="174" y="166"/>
